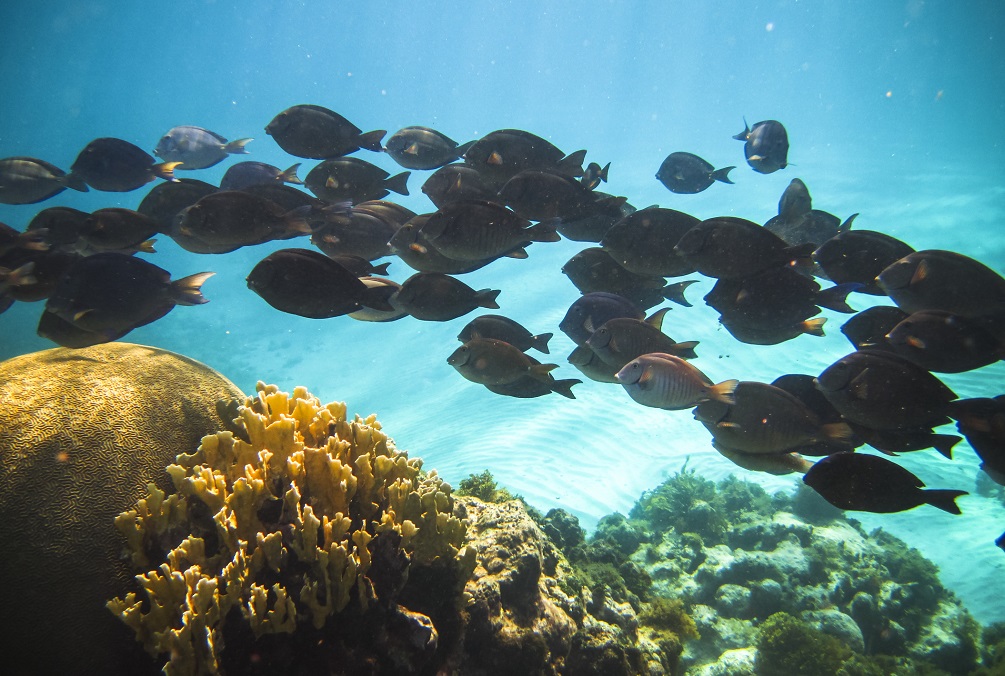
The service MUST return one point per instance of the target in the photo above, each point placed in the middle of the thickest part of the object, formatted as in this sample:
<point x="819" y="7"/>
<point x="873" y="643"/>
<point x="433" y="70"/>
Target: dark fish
<point x="529" y="387"/>
<point x="355" y="180"/>
<point x="795" y="201"/>
<point x="595" y="221"/>
<point x="687" y="174"/>
<point x="317" y="133"/>
<point x="766" y="419"/>
<point x="495" y="362"/>
<point x="505" y="329"/>
<point x="112" y="293"/>
<point x="590" y="311"/>
<point x="542" y="194"/>
<point x="456" y="182"/>
<point x="944" y="342"/>
<point x="418" y="253"/>
<point x="114" y="165"/>
<point x="735" y="248"/>
<point x="476" y="230"/>
<point x="57" y="227"/>
<point x="166" y="200"/>
<point x="814" y="227"/>
<point x="868" y="328"/>
<point x="592" y="366"/>
<point x="665" y="381"/>
<point x="944" y="280"/>
<point x="883" y="391"/>
<point x="643" y="242"/>
<point x="307" y="283"/>
<point x="11" y="240"/>
<point x="772" y="333"/>
<point x="197" y="148"/>
<point x="982" y="422"/>
<point x="423" y="148"/>
<point x="594" y="269"/>
<point x="766" y="146"/>
<point x="500" y="155"/>
<point x="594" y="174"/>
<point x="859" y="256"/>
<point x="869" y="483"/>
<point x="357" y="232"/>
<point x="26" y="180"/>
<point x="436" y="297"/>
<point x="227" y="220"/>
<point x="620" y="340"/>
<point x="245" y="174"/>
<point x="116" y="229"/>
<point x="381" y="289"/>
<point x="894" y="442"/>
<point x="780" y="295"/>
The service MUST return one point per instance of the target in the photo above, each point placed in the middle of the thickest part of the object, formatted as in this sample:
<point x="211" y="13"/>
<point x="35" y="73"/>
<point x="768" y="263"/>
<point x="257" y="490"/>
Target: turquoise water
<point x="894" y="110"/>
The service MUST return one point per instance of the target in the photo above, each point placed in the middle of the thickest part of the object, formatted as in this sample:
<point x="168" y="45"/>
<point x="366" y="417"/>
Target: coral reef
<point x="82" y="433"/>
<point x="312" y="525"/>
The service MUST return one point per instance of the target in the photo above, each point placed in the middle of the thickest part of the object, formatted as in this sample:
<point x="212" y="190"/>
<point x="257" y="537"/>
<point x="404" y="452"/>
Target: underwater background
<point x="894" y="110"/>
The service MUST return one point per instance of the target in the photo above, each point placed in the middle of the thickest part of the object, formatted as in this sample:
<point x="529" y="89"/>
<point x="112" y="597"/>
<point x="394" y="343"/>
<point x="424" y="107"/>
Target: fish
<point x="436" y="297"/>
<point x="593" y="224"/>
<point x="197" y="148"/>
<point x="766" y="146"/>
<point x="594" y="175"/>
<point x="317" y="133"/>
<point x="418" y="253"/>
<point x="592" y="366"/>
<point x="57" y="228"/>
<point x="309" y="284"/>
<point x="643" y="242"/>
<point x="728" y="247"/>
<point x="592" y="310"/>
<point x="66" y="334"/>
<point x="687" y="174"/>
<point x="423" y="148"/>
<point x="113" y="165"/>
<point x="814" y="227"/>
<point x="868" y="328"/>
<point x="620" y="340"/>
<point x="352" y="231"/>
<point x="457" y="182"/>
<point x="348" y="178"/>
<point x="476" y="230"/>
<point x="943" y="342"/>
<point x="28" y="180"/>
<point x="287" y="197"/>
<point x="502" y="154"/>
<point x="116" y="229"/>
<point x="982" y="421"/>
<point x="773" y="333"/>
<point x="778" y="294"/>
<point x="543" y="194"/>
<point x="245" y="174"/>
<point x="795" y="201"/>
<point x="936" y="279"/>
<point x="666" y="381"/>
<point x="29" y="240"/>
<point x="766" y="419"/>
<point x="529" y="387"/>
<point x="869" y="483"/>
<point x="229" y="219"/>
<point x="894" y="442"/>
<point x="487" y="361"/>
<point x="112" y="293"/>
<point x="594" y="269"/>
<point x="502" y="328"/>
<point x="369" y="314"/>
<point x="859" y="256"/>
<point x="883" y="391"/>
<point x="166" y="200"/>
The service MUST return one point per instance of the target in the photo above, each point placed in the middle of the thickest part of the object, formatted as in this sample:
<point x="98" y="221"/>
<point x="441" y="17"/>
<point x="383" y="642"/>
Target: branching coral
<point x="283" y="528"/>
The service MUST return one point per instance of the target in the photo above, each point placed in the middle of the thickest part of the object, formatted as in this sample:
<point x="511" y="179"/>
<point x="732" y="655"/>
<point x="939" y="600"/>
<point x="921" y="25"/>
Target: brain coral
<point x="304" y="524"/>
<point x="82" y="433"/>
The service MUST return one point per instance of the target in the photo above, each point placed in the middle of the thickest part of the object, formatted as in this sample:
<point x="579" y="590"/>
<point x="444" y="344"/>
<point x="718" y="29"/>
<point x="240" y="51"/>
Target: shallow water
<point x="895" y="113"/>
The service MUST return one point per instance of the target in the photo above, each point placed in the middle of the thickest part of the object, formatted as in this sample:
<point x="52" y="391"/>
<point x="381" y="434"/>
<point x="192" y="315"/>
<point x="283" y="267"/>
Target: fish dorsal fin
<point x="920" y="272"/>
<point x="656" y="319"/>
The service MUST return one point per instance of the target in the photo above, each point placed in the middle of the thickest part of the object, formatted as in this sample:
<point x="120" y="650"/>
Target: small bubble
<point x="770" y="26"/>
<point x="889" y="93"/>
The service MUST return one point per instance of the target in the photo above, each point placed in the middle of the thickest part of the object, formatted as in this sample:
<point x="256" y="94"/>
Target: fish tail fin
<point x="572" y="164"/>
<point x="236" y="147"/>
<point x="543" y="232"/>
<point x="844" y="227"/>
<point x="684" y="350"/>
<point x="487" y="298"/>
<point x="835" y="298"/>
<point x="603" y="172"/>
<point x="838" y="431"/>
<point x="542" y="372"/>
<point x="380" y="270"/>
<point x="21" y="276"/>
<point x="398" y="183"/>
<point x="564" y="387"/>
<point x="464" y="147"/>
<point x="147" y="246"/>
<point x="742" y="136"/>
<point x="371" y="140"/>
<point x="74" y="182"/>
<point x="814" y="327"/>
<point x="675" y="292"/>
<point x="722" y="175"/>
<point x="165" y="170"/>
<point x="944" y="443"/>
<point x="186" y="291"/>
<point x="540" y="342"/>
<point x="724" y="391"/>
<point x="290" y="175"/>
<point x="944" y="499"/>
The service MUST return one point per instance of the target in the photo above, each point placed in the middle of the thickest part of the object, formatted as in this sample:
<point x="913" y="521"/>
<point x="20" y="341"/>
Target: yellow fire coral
<point x="280" y="522"/>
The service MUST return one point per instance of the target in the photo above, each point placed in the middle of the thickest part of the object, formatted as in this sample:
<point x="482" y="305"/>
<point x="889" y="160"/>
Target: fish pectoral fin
<point x="859" y="386"/>
<point x="920" y="272"/>
<point x="729" y="426"/>
<point x="83" y="313"/>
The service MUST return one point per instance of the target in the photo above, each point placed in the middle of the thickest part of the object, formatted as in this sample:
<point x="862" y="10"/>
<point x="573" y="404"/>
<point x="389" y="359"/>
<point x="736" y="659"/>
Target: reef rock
<point x="82" y="433"/>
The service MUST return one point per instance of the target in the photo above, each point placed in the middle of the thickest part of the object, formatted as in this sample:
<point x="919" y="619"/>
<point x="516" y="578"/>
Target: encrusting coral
<point x="302" y="519"/>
